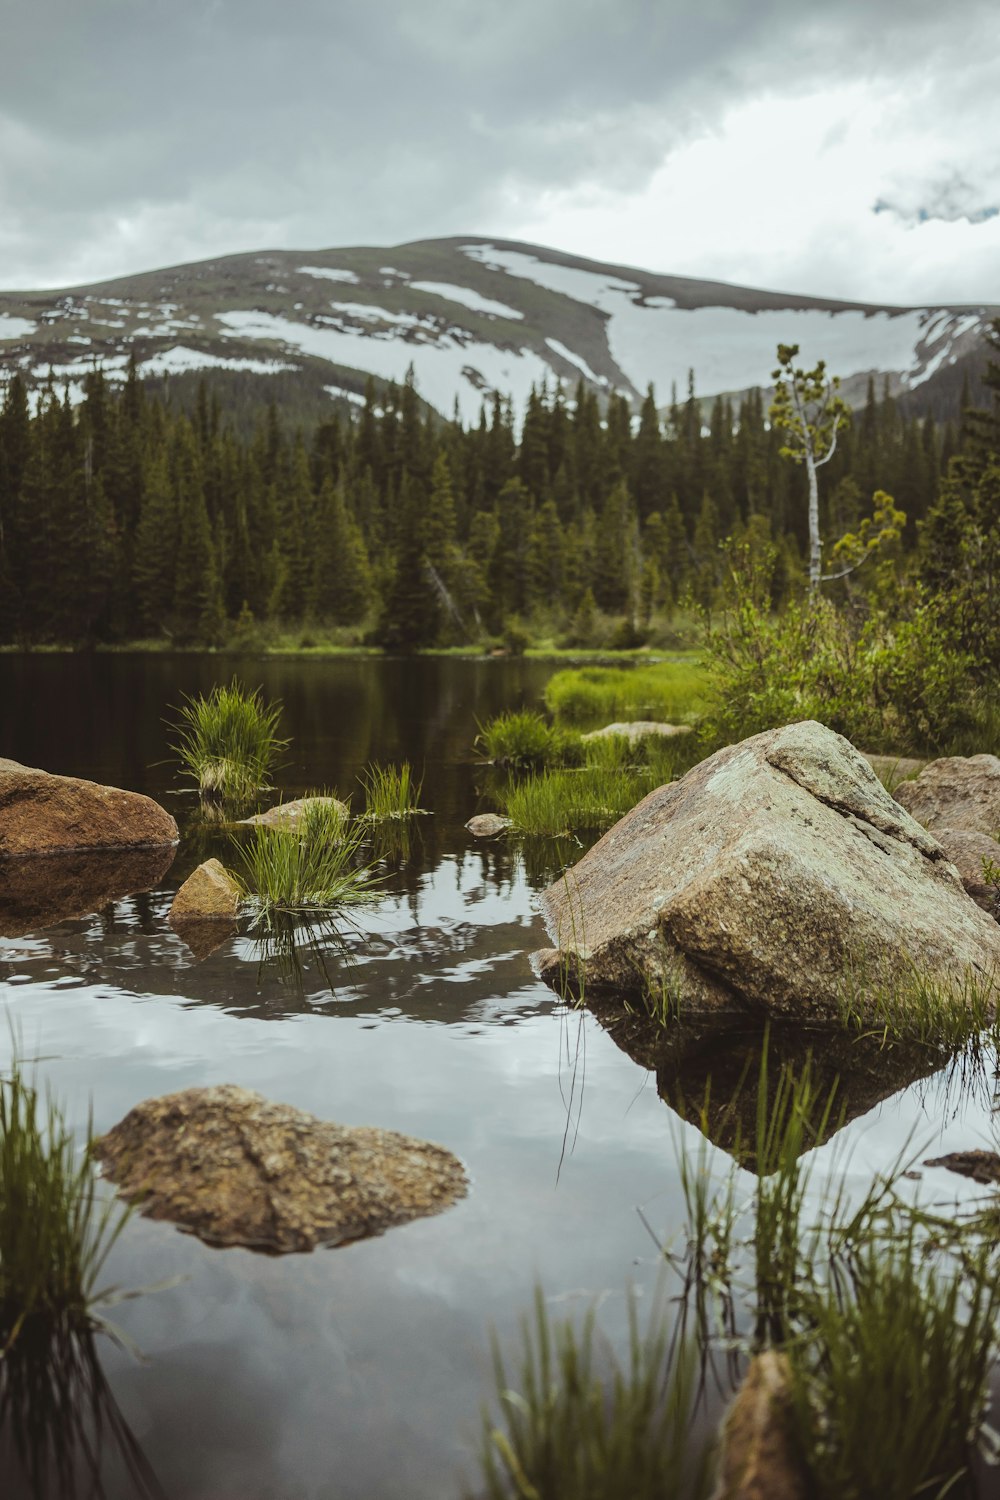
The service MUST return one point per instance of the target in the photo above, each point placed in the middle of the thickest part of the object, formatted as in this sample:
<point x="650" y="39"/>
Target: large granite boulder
<point x="974" y="855"/>
<point x="956" y="792"/>
<point x="235" y="1169"/>
<point x="760" y="880"/>
<point x="44" y="814"/>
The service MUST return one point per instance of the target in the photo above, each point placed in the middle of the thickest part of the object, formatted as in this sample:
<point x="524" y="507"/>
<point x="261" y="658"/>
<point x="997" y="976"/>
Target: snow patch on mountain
<point x="577" y="361"/>
<point x="452" y="366"/>
<point x="330" y="273"/>
<point x="15" y="328"/>
<point x="466" y="296"/>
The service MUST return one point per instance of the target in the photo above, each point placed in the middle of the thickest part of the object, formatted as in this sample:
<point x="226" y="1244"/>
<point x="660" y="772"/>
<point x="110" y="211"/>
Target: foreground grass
<point x="671" y="692"/>
<point x="229" y="742"/>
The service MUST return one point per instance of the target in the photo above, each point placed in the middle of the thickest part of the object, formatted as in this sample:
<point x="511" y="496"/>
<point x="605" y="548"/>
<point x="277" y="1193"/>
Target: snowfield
<point x="15" y="328"/>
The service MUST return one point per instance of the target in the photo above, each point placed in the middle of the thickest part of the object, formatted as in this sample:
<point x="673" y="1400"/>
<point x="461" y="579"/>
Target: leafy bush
<point x="229" y="741"/>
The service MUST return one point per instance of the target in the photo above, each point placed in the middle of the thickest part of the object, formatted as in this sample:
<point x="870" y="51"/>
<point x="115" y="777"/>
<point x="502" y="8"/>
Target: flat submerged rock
<point x="234" y="1168"/>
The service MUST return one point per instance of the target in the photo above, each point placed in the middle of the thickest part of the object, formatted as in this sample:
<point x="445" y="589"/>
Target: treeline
<point x="124" y="518"/>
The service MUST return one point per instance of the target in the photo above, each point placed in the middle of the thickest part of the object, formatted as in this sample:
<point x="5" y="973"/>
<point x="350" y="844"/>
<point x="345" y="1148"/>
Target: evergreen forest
<point x="127" y="518"/>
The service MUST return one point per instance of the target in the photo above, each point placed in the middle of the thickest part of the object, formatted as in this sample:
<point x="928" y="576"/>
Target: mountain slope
<point x="472" y="317"/>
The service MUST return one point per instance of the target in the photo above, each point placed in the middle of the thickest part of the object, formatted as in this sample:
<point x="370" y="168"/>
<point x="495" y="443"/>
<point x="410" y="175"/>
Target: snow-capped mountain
<point x="471" y="316"/>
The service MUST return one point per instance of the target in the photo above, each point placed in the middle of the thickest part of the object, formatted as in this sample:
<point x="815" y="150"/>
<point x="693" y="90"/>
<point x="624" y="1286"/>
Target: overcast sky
<point x="850" y="148"/>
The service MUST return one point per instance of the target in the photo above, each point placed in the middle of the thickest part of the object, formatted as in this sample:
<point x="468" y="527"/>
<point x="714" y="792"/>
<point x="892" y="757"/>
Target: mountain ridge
<point x="475" y="317"/>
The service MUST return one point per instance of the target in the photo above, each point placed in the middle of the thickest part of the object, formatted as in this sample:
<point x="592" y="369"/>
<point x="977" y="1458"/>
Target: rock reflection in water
<point x="61" y="1429"/>
<point x="37" y="891"/>
<point x="710" y="1074"/>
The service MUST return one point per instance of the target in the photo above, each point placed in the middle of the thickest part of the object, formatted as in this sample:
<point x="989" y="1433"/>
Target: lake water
<point x="359" y="1373"/>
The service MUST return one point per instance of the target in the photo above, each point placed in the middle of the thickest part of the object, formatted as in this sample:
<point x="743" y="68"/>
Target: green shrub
<point x="229" y="741"/>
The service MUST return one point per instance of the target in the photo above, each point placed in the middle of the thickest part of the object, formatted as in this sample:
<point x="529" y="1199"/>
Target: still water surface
<point x="357" y="1373"/>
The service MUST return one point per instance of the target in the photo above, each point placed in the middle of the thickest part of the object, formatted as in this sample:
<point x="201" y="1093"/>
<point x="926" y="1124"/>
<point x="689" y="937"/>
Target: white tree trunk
<point x="815" y="546"/>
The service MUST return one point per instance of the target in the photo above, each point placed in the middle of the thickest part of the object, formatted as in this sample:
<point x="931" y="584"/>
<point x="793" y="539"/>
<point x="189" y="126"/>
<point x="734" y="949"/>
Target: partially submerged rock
<point x="39" y="892"/>
<point x="981" y="1166"/>
<point x="638" y="729"/>
<point x="210" y="894"/>
<point x="760" y="1456"/>
<point x="289" y="815"/>
<point x="956" y="792"/>
<point x="233" y="1168"/>
<point x="487" y="825"/>
<point x="45" y="814"/>
<point x="759" y="880"/>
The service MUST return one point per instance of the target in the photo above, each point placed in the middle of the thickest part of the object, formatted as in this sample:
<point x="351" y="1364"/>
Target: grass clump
<point x="571" y="1431"/>
<point x="390" y="792"/>
<point x="558" y="803"/>
<point x="229" y="742"/>
<point x="526" y="741"/>
<point x="314" y="867"/>
<point x="673" y="692"/>
<point x="55" y="1233"/>
<point x="919" y="1009"/>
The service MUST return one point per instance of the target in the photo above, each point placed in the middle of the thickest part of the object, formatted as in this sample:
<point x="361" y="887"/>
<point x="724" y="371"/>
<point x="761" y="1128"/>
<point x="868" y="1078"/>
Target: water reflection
<point x="711" y="1074"/>
<point x="39" y="891"/>
<point x="61" y="1429"/>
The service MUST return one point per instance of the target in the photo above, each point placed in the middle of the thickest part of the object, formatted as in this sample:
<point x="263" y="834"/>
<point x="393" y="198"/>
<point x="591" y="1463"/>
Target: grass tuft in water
<point x="558" y="803"/>
<point x="229" y="742"/>
<point x="315" y="867"/>
<point x="671" y="692"/>
<point x="55" y="1232"/>
<point x="526" y="741"/>
<point x="577" y="1424"/>
<point x="390" y="792"/>
<point x="918" y="1009"/>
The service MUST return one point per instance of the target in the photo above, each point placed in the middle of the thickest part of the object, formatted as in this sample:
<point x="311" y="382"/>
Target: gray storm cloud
<point x="136" y="132"/>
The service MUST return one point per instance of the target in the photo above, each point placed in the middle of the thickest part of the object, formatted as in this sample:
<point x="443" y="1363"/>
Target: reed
<point x="316" y="867"/>
<point x="525" y="741"/>
<point x="56" y="1231"/>
<point x="390" y="793"/>
<point x="576" y="1424"/>
<point x="228" y="742"/>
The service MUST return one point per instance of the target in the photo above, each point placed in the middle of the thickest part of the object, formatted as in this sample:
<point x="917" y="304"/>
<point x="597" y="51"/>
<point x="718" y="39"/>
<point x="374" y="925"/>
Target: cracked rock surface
<point x="759" y="880"/>
<point x="234" y="1168"/>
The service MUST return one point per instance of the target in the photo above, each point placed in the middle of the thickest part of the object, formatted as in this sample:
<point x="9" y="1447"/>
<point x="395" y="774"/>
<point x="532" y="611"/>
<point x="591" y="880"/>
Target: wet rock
<point x="487" y="825"/>
<point x="972" y="854"/>
<point x="233" y="1168"/>
<point x="45" y="814"/>
<point x="39" y="891"/>
<point x="209" y="894"/>
<point x="760" y="1457"/>
<point x="956" y="792"/>
<point x="981" y="1166"/>
<point x="759" y="880"/>
<point x="289" y="815"/>
<point x="638" y="729"/>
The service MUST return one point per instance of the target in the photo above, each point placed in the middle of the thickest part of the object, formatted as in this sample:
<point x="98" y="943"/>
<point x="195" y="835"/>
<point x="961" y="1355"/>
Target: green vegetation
<point x="916" y="1009"/>
<point x="390" y="792"/>
<point x="670" y="692"/>
<point x="313" y="868"/>
<point x="557" y="803"/>
<point x="55" y="1232"/>
<point x="578" y="1426"/>
<point x="525" y="741"/>
<point x="229" y="741"/>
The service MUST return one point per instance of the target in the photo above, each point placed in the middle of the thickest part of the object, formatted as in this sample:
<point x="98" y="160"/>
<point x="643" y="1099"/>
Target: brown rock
<point x="760" y="879"/>
<point x="981" y="1166"/>
<point x="209" y="894"/>
<point x="760" y="1457"/>
<point x="233" y="1168"/>
<point x="972" y="853"/>
<point x="487" y="825"/>
<point x="39" y="891"/>
<point x="638" y="729"/>
<point x="44" y="814"/>
<point x="956" y="792"/>
<point x="290" y="814"/>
